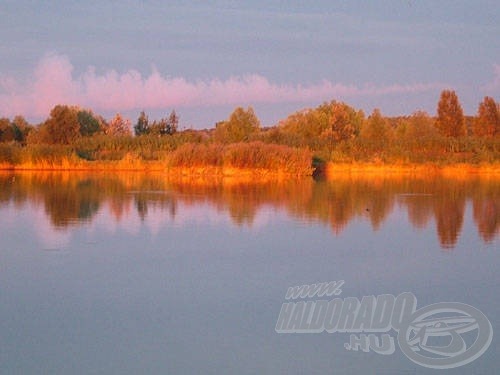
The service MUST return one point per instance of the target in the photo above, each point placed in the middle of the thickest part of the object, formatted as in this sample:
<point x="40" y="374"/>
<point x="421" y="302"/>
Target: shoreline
<point x="154" y="167"/>
<point x="328" y="170"/>
<point x="423" y="169"/>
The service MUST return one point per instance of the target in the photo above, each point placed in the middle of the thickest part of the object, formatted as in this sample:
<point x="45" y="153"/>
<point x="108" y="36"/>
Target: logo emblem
<point x="432" y="336"/>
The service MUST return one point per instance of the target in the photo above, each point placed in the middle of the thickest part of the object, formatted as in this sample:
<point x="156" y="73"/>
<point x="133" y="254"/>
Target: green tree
<point x="89" y="124"/>
<point x="240" y="126"/>
<point x="142" y="126"/>
<point x="487" y="122"/>
<point x="21" y="128"/>
<point x="450" y="117"/>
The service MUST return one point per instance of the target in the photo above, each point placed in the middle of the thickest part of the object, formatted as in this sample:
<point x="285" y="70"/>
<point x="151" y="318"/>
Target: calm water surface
<point x="136" y="274"/>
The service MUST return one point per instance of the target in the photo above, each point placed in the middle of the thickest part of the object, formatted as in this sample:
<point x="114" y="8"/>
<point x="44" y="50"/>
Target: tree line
<point x="339" y="132"/>
<point x="66" y="124"/>
<point x="333" y="131"/>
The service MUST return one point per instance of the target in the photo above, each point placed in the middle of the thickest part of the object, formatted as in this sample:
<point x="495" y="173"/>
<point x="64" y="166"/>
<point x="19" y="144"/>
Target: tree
<point x="172" y="123"/>
<point x="159" y="128"/>
<point x="240" y="126"/>
<point x="165" y="126"/>
<point x="420" y="127"/>
<point x="344" y="122"/>
<point x="89" y="124"/>
<point x="450" y="117"/>
<point x="487" y="122"/>
<point x="21" y="128"/>
<point x="332" y="122"/>
<point x="6" y="130"/>
<point x="376" y="131"/>
<point x="118" y="126"/>
<point x="62" y="127"/>
<point x="142" y="125"/>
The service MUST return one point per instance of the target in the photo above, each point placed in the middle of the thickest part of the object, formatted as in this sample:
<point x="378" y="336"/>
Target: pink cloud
<point x="54" y="83"/>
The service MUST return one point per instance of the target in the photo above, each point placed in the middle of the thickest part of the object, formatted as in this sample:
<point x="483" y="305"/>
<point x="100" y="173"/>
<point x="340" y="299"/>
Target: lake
<point x="136" y="273"/>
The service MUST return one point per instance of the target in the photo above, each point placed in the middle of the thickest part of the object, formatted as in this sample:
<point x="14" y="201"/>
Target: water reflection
<point x="70" y="199"/>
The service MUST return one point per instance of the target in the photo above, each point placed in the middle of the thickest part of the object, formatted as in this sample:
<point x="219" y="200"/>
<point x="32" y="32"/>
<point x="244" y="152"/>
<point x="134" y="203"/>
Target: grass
<point x="241" y="158"/>
<point x="196" y="153"/>
<point x="195" y="158"/>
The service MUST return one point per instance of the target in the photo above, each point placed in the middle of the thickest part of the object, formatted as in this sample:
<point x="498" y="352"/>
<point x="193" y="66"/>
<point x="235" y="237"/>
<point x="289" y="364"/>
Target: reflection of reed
<point x="72" y="198"/>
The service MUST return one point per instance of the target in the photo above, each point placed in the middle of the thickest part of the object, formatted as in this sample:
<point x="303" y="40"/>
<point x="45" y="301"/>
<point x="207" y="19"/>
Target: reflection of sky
<point x="34" y="217"/>
<point x="105" y="221"/>
<point x="199" y="294"/>
<point x="158" y="218"/>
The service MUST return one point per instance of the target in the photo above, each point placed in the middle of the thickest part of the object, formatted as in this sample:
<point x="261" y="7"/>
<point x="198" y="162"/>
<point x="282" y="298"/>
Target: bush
<point x="254" y="155"/>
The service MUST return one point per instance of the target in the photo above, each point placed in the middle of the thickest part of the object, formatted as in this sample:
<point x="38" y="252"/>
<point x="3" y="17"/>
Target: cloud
<point x="53" y="82"/>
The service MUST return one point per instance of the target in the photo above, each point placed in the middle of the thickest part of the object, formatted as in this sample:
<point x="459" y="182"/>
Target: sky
<point x="205" y="58"/>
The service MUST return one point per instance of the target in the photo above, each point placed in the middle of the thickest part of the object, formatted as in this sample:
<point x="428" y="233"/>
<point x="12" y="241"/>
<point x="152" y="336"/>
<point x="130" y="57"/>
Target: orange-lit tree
<point x="240" y="126"/>
<point x="487" y="122"/>
<point x="450" y="117"/>
<point x="62" y="127"/>
<point x="376" y="132"/>
<point x="6" y="130"/>
<point x="118" y="126"/>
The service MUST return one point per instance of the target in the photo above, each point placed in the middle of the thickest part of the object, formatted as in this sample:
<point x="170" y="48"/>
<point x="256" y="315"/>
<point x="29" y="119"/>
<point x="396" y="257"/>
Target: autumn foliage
<point x="487" y="122"/>
<point x="450" y="117"/>
<point x="331" y="132"/>
<point x="253" y="155"/>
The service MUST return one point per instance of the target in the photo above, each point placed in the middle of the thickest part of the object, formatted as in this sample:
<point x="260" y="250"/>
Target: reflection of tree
<point x="6" y="190"/>
<point x="119" y="207"/>
<point x="379" y="202"/>
<point x="66" y="204"/>
<point x="154" y="199"/>
<point x="332" y="203"/>
<point x="341" y="200"/>
<point x="242" y="209"/>
<point x="419" y="196"/>
<point x="419" y="209"/>
<point x="71" y="198"/>
<point x="243" y="198"/>
<point x="487" y="217"/>
<point x="142" y="207"/>
<point x="449" y="208"/>
<point x="449" y="219"/>
<point x="9" y="191"/>
<point x="341" y="211"/>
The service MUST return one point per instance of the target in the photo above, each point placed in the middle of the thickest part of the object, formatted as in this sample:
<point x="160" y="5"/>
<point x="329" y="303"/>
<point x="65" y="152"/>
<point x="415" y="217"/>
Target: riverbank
<point x="151" y="166"/>
<point x="253" y="158"/>
<point x="330" y="170"/>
